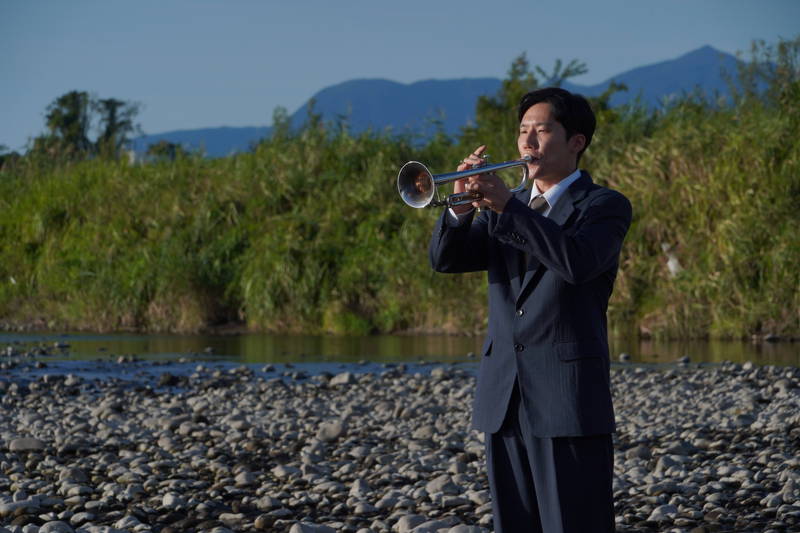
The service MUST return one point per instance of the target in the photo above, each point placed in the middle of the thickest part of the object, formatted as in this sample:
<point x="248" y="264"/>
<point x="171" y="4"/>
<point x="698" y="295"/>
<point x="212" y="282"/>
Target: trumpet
<point x="417" y="185"/>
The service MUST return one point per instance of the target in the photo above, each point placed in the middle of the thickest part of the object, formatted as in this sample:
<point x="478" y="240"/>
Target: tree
<point x="69" y="119"/>
<point x="116" y="124"/>
<point x="166" y="150"/>
<point x="496" y="121"/>
<point x="7" y="158"/>
<point x="68" y="123"/>
<point x="773" y="74"/>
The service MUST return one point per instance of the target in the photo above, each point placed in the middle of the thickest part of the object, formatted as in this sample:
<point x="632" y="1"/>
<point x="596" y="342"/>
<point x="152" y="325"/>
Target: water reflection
<point x="648" y="351"/>
<point x="263" y="348"/>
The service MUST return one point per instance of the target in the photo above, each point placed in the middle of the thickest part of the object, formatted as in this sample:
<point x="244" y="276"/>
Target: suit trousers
<point x="548" y="484"/>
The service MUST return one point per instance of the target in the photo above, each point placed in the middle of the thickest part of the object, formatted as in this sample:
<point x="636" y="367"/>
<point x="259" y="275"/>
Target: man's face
<point x="554" y="156"/>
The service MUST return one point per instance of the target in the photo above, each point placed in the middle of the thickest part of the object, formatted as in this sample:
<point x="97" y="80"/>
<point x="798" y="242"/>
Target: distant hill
<point x="704" y="69"/>
<point x="379" y="104"/>
<point x="215" y="142"/>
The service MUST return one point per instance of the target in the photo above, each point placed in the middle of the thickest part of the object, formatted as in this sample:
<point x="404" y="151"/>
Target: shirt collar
<point x="556" y="191"/>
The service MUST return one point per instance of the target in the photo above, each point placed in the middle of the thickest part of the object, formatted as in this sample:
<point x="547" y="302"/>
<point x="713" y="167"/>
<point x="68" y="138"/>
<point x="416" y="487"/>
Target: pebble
<point x="698" y="448"/>
<point x="26" y="444"/>
<point x="305" y="527"/>
<point x="408" y="523"/>
<point x="332" y="430"/>
<point x="663" y="513"/>
<point x="56" y="527"/>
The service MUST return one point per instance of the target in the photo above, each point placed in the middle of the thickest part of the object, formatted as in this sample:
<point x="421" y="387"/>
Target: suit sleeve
<point x="578" y="253"/>
<point x="460" y="246"/>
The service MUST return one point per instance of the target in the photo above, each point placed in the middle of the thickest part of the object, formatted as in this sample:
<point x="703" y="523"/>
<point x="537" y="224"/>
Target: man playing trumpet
<point x="551" y="252"/>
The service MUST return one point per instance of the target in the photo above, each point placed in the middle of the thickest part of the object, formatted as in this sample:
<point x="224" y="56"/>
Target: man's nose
<point x="531" y="141"/>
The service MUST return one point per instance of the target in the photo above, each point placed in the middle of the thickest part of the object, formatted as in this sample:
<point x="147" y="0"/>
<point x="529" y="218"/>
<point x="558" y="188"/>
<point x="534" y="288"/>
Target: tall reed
<point x="307" y="233"/>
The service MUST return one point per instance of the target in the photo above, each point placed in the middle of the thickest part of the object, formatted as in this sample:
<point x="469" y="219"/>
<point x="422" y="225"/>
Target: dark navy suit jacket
<point x="547" y="321"/>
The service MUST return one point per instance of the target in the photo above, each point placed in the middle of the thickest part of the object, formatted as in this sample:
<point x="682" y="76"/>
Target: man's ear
<point x="577" y="142"/>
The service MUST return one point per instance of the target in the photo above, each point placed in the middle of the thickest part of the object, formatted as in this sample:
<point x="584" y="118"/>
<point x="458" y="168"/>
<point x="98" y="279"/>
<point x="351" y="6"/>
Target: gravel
<point x="370" y="449"/>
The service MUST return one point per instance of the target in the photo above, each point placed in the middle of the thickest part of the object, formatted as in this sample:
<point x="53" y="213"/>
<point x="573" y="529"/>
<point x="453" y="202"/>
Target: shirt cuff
<point x="456" y="218"/>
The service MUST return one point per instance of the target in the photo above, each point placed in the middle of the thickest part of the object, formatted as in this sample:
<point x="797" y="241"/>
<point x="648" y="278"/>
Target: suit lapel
<point x="513" y="257"/>
<point x="561" y="213"/>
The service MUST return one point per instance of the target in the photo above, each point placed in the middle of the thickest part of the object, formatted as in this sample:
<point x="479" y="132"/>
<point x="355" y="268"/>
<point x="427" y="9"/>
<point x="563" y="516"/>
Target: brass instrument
<point x="417" y="185"/>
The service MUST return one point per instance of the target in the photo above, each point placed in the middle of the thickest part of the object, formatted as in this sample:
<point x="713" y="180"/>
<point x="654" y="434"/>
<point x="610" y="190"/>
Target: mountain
<point x="705" y="69"/>
<point x="379" y="104"/>
<point x="215" y="142"/>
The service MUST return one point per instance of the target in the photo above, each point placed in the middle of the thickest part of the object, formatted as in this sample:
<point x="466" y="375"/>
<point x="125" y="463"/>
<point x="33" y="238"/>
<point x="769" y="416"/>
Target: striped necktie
<point x="539" y="204"/>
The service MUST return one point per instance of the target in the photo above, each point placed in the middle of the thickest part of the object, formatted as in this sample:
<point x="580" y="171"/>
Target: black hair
<point x="570" y="110"/>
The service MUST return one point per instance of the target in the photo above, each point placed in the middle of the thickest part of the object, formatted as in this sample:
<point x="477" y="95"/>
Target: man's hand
<point x="494" y="190"/>
<point x="471" y="161"/>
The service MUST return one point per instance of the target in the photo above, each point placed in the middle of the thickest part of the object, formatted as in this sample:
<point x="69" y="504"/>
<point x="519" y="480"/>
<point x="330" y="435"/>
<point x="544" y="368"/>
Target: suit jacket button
<point x="518" y="347"/>
<point x="520" y="312"/>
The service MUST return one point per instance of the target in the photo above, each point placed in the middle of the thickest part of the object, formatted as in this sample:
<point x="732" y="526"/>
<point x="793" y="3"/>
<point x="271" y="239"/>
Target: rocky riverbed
<point x="712" y="448"/>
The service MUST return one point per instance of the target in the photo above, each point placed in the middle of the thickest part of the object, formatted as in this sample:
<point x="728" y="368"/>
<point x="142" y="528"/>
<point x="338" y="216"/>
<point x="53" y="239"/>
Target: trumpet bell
<point x="416" y="185"/>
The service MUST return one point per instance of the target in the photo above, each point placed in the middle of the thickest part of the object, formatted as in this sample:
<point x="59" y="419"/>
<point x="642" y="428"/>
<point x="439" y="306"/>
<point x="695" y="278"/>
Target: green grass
<point x="307" y="232"/>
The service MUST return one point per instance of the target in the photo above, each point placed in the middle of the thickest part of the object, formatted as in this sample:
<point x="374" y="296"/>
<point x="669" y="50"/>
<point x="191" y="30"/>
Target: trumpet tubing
<point x="417" y="185"/>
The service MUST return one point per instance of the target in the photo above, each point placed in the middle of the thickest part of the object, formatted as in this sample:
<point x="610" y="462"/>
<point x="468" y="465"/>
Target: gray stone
<point x="332" y="430"/>
<point x="663" y="513"/>
<point x="268" y="503"/>
<point x="639" y="452"/>
<point x="285" y="471"/>
<point x="434" y="526"/>
<point x="231" y="519"/>
<point x="127" y="522"/>
<point x="26" y="444"/>
<point x="408" y="523"/>
<point x="364" y="508"/>
<point x="345" y="378"/>
<point x="359" y="488"/>
<point x="75" y="475"/>
<point x="454" y="501"/>
<point x="263" y="522"/>
<point x="81" y="518"/>
<point x="246" y="479"/>
<point x="440" y="373"/>
<point x="424" y="432"/>
<point x="173" y="501"/>
<point x="307" y="527"/>
<point x="666" y="487"/>
<point x="56" y="526"/>
<point x="442" y="484"/>
<point x="10" y="508"/>
<point x="772" y="500"/>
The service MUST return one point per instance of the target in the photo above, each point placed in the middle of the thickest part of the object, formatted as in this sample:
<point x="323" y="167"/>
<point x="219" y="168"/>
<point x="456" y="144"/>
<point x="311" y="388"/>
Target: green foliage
<point x="496" y="124"/>
<point x="166" y="150"/>
<point x="307" y="233"/>
<point x="116" y="119"/>
<point x="70" y="119"/>
<point x="7" y="159"/>
<point x="68" y="123"/>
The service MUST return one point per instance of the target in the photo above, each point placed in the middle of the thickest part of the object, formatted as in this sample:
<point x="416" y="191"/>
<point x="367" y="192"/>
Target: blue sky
<point x="203" y="63"/>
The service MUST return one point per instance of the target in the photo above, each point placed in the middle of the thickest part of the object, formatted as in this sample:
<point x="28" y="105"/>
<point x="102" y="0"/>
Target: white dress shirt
<point x="552" y="195"/>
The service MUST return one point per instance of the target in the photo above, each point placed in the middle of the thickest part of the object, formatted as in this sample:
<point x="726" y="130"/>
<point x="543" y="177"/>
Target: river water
<point x="268" y="348"/>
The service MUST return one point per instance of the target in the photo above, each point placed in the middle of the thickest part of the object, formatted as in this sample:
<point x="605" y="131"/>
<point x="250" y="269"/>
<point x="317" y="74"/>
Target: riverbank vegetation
<point x="307" y="233"/>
